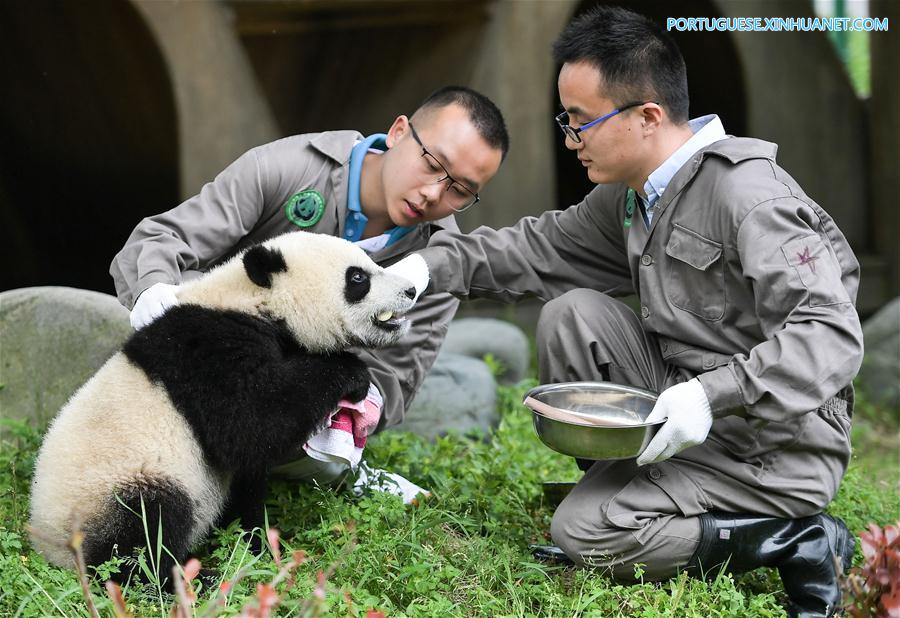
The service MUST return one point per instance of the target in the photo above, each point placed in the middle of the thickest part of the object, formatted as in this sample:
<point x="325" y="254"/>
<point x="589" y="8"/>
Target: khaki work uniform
<point x="246" y="204"/>
<point x="743" y="282"/>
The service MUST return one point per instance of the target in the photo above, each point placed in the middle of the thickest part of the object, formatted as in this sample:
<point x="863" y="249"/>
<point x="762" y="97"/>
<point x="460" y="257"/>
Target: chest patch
<point x="304" y="209"/>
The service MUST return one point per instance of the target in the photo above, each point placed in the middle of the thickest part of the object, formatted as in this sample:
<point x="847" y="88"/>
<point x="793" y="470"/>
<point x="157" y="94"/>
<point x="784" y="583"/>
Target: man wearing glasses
<point x="386" y="192"/>
<point x="746" y="324"/>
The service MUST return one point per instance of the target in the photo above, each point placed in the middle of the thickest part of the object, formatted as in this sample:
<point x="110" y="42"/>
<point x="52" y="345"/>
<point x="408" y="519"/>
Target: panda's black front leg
<point x="314" y="384"/>
<point x="247" y="502"/>
<point x="355" y="377"/>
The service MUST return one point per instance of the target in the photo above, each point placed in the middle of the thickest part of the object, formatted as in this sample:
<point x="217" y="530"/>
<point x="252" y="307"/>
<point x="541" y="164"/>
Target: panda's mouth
<point x="389" y="320"/>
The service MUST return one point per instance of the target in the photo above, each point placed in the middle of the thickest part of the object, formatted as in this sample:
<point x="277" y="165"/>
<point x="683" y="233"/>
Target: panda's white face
<point x="329" y="293"/>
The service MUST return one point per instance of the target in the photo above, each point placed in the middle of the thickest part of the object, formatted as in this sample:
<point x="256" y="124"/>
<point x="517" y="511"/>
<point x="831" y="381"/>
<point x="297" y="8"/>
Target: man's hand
<point x="690" y="418"/>
<point x="414" y="269"/>
<point x="152" y="303"/>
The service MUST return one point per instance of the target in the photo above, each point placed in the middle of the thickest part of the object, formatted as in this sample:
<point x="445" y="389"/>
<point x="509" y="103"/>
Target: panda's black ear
<point x="260" y="262"/>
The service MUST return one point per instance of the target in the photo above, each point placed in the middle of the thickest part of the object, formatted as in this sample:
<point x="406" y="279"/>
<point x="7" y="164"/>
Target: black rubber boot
<point x="803" y="551"/>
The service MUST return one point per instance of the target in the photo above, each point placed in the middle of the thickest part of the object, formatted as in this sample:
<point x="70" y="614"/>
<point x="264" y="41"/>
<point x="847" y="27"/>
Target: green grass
<point x="461" y="552"/>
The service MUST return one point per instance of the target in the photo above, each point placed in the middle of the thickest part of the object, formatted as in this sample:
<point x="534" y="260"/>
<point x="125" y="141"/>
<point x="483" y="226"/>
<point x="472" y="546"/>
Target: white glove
<point x="412" y="268"/>
<point x="690" y="419"/>
<point x="152" y="303"/>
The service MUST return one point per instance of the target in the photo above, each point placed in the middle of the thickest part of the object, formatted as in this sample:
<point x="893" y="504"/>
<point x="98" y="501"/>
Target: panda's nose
<point x="410" y="292"/>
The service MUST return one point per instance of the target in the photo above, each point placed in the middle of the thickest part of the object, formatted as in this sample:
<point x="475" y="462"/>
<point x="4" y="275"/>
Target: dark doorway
<point x="715" y="83"/>
<point x="88" y="145"/>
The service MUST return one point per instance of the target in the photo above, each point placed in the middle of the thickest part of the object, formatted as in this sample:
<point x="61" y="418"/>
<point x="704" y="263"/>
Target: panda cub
<point x="185" y="422"/>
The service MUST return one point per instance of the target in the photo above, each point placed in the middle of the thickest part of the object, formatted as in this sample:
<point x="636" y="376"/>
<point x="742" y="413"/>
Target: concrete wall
<point x="884" y="216"/>
<point x="242" y="73"/>
<point x="221" y="109"/>
<point x="87" y="139"/>
<point x="517" y="72"/>
<point x="801" y="97"/>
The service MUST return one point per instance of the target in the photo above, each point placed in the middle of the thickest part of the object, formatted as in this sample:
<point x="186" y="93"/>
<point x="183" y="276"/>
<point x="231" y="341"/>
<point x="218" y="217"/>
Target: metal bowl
<point x="625" y="408"/>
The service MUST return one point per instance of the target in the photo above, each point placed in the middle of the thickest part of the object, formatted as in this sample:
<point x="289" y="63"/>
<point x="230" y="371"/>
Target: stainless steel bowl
<point x="624" y="407"/>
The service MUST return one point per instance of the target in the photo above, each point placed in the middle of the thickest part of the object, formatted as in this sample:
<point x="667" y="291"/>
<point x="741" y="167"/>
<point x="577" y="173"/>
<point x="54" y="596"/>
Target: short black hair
<point x="636" y="58"/>
<point x="485" y="116"/>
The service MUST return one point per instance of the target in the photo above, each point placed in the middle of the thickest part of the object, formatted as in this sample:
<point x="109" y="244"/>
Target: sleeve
<point x="399" y="370"/>
<point x="580" y="247"/>
<point x="179" y="244"/>
<point x="813" y="342"/>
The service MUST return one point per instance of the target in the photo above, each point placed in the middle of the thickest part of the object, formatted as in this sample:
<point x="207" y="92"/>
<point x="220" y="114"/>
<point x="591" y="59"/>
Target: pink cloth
<point x="345" y="437"/>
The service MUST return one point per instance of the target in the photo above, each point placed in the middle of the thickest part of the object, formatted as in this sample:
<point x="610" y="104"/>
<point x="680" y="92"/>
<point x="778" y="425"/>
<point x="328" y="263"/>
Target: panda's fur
<point x="185" y="422"/>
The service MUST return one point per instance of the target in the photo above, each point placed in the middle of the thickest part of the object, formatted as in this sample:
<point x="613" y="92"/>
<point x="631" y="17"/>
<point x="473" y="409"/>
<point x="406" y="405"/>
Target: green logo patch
<point x="304" y="209"/>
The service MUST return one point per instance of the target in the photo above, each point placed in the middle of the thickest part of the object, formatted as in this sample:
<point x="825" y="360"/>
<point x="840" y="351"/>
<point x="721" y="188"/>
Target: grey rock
<point x="458" y="396"/>
<point x="53" y="340"/>
<point x="477" y="337"/>
<point x="879" y="378"/>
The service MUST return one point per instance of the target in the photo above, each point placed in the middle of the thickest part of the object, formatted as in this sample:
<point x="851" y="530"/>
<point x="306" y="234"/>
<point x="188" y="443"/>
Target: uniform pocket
<point x="696" y="276"/>
<point x="656" y="490"/>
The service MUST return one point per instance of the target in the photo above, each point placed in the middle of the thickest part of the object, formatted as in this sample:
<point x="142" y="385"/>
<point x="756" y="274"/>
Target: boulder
<point x="879" y="378"/>
<point x="458" y="396"/>
<point x="478" y="337"/>
<point x="54" y="339"/>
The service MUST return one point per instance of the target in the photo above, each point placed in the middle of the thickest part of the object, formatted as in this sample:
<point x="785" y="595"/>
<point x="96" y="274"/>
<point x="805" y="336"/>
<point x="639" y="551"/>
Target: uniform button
<point x="645" y="311"/>
<point x="708" y="362"/>
<point x="646" y="260"/>
<point x="665" y="347"/>
<point x="654" y="474"/>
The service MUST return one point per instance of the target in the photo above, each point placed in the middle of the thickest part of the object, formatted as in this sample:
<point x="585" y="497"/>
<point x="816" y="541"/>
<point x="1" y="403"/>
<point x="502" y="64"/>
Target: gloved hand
<point x="414" y="269"/>
<point x="152" y="303"/>
<point x="690" y="419"/>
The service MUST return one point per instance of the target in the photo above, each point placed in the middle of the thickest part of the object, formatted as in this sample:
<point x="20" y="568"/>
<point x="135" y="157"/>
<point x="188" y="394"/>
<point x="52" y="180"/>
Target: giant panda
<point x="183" y="424"/>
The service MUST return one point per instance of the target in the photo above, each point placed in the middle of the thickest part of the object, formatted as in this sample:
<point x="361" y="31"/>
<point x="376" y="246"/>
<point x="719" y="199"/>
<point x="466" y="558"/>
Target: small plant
<point x="497" y="366"/>
<point x="872" y="590"/>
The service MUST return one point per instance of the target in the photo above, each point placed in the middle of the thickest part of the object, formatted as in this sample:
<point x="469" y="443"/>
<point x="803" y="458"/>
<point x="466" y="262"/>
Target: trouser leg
<point x="618" y="514"/>
<point x="586" y="335"/>
<point x="754" y="482"/>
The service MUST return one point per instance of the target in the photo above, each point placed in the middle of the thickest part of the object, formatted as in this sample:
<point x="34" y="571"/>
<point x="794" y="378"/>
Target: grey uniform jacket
<point x="745" y="281"/>
<point x="245" y="204"/>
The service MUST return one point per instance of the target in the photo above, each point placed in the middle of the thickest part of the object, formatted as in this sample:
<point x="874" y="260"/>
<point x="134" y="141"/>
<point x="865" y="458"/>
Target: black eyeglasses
<point x="457" y="196"/>
<point x="572" y="132"/>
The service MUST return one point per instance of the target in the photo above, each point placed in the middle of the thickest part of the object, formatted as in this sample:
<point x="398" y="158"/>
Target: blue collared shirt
<point x="356" y="221"/>
<point x="707" y="130"/>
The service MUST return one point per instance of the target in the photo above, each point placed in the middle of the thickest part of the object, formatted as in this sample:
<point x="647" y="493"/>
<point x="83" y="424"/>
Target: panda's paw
<point x="357" y="385"/>
<point x="358" y="391"/>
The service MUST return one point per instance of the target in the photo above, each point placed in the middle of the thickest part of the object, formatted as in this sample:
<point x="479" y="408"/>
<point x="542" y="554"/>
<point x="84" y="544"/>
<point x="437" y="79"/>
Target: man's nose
<point x="572" y="144"/>
<point x="432" y="192"/>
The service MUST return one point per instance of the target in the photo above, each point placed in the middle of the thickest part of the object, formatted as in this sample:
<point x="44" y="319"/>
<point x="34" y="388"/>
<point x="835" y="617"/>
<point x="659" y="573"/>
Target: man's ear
<point x="652" y="116"/>
<point x="261" y="263"/>
<point x="398" y="129"/>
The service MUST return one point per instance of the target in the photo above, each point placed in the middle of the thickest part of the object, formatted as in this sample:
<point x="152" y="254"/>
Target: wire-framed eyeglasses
<point x="573" y="132"/>
<point x="457" y="195"/>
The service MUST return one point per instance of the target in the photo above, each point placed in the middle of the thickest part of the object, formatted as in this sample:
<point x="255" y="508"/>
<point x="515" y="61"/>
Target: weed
<point x="461" y="552"/>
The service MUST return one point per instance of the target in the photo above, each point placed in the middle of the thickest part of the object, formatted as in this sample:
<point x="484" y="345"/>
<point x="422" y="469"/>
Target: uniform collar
<point x="739" y="149"/>
<point x="356" y="221"/>
<point x="336" y="144"/>
<point x="733" y="149"/>
<point x="357" y="154"/>
<point x="707" y="130"/>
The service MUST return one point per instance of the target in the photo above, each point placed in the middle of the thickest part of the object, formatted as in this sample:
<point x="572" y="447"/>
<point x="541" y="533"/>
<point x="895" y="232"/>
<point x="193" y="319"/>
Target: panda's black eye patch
<point x="357" y="285"/>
